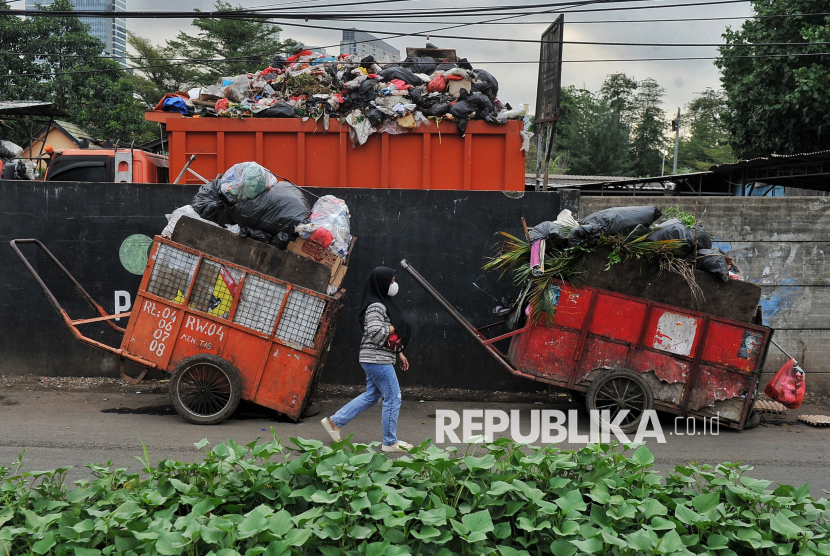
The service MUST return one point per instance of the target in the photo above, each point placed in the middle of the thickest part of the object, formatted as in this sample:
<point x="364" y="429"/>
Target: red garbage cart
<point x="623" y="352"/>
<point x="224" y="331"/>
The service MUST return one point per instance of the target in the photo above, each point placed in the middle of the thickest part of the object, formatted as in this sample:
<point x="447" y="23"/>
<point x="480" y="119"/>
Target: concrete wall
<point x="446" y="235"/>
<point x="782" y="244"/>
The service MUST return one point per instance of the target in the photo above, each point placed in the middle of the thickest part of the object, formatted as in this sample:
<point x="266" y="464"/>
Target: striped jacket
<point x="375" y="333"/>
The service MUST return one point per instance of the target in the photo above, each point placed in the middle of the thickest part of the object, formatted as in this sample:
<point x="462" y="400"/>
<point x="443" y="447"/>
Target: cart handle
<point x="72" y="324"/>
<point x="459" y="318"/>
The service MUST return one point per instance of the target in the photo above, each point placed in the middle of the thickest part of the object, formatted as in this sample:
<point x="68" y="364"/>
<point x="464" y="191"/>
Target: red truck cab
<point x="107" y="165"/>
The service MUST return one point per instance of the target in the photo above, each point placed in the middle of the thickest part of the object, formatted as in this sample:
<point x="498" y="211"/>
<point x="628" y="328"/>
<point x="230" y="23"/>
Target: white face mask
<point x="393" y="289"/>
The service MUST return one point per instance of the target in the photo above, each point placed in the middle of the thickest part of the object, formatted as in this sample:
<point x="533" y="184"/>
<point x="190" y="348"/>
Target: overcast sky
<point x="517" y="82"/>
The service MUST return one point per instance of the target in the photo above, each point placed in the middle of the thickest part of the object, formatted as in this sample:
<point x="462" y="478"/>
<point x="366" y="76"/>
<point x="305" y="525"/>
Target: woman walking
<point x="385" y="335"/>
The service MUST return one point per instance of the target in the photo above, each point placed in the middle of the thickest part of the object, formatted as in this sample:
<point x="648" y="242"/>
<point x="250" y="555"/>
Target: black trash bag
<point x="485" y="78"/>
<point x="374" y="116"/>
<point x="462" y="110"/>
<point x="253" y="233"/>
<point x="445" y="66"/>
<point x="438" y="110"/>
<point x="714" y="261"/>
<point x="465" y="64"/>
<point x="278" y="61"/>
<point x="704" y="240"/>
<point x="420" y="65"/>
<point x="672" y="229"/>
<point x="361" y="97"/>
<point x="211" y="205"/>
<point x="367" y="62"/>
<point x="416" y="97"/>
<point x="612" y="221"/>
<point x="278" y="110"/>
<point x="6" y="153"/>
<point x="480" y="101"/>
<point x="282" y="239"/>
<point x="404" y="74"/>
<point x="551" y="232"/>
<point x="277" y="209"/>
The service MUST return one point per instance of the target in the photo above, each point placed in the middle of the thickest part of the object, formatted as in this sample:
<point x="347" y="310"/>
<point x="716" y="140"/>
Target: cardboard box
<point x="336" y="265"/>
<point x="456" y="85"/>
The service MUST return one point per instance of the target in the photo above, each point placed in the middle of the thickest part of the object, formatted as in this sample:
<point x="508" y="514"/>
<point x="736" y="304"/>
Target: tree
<point x="591" y="132"/>
<point x="60" y="62"/>
<point x="158" y="72"/>
<point x="707" y="140"/>
<point x="778" y="104"/>
<point x="619" y="91"/>
<point x="226" y="47"/>
<point x="648" y="138"/>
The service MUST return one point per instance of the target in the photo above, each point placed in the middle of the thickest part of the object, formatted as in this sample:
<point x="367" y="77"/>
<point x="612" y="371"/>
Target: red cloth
<point x="787" y="386"/>
<point x="160" y="106"/>
<point x="300" y="54"/>
<point x="400" y="84"/>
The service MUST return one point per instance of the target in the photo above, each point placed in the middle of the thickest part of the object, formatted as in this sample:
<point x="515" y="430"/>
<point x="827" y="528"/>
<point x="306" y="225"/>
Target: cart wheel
<point x="752" y="421"/>
<point x="617" y="390"/>
<point x="205" y="389"/>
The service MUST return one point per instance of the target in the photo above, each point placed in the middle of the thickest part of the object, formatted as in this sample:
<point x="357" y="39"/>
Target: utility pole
<point x="662" y="172"/>
<point x="676" y="128"/>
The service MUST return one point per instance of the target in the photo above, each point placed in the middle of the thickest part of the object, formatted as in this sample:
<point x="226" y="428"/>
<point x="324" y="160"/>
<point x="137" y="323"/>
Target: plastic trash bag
<point x="404" y="74"/>
<point x="612" y="221"/>
<point x="416" y="64"/>
<point x="788" y="386"/>
<point x="211" y="205"/>
<point x="360" y="128"/>
<point x="438" y="110"/>
<point x="245" y="181"/>
<point x="278" y="110"/>
<point x="486" y="83"/>
<point x="675" y="229"/>
<point x="173" y="219"/>
<point x="253" y="233"/>
<point x="332" y="214"/>
<point x="553" y="234"/>
<point x="279" y="208"/>
<point x="526" y="137"/>
<point x="13" y="148"/>
<point x="714" y="261"/>
<point x="237" y="89"/>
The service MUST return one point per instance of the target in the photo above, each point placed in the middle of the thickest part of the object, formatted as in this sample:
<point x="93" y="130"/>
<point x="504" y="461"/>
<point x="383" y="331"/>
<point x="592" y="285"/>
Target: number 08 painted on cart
<point x="164" y="327"/>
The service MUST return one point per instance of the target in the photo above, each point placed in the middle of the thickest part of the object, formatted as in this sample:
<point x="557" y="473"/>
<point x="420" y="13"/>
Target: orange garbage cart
<point x="224" y="331"/>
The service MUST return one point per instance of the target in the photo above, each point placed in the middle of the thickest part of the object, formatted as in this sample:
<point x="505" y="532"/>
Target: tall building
<point x="364" y="44"/>
<point x="111" y="30"/>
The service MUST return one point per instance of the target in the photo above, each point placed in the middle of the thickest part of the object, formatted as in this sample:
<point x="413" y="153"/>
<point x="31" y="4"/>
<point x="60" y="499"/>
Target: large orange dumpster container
<point x="434" y="156"/>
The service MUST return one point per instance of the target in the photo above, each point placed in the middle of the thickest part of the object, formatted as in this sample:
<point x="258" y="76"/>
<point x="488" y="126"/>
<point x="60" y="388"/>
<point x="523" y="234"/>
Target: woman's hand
<point x="391" y="329"/>
<point x="404" y="362"/>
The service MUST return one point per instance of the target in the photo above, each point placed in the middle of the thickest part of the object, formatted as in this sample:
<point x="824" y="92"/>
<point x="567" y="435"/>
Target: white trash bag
<point x="332" y="214"/>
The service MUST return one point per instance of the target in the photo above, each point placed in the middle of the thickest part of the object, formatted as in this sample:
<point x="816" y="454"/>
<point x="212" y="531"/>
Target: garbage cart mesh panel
<point x="215" y="288"/>
<point x="172" y="273"/>
<point x="259" y="305"/>
<point x="301" y="318"/>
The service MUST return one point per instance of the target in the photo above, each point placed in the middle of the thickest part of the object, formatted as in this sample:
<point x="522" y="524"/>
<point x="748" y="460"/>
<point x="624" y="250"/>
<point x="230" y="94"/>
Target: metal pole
<point x="676" y="143"/>
<point x="663" y="171"/>
<point x="186" y="167"/>
<point x="539" y="156"/>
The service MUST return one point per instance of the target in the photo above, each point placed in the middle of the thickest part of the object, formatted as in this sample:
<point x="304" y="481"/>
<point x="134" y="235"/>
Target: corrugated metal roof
<point x="76" y="132"/>
<point x="30" y="108"/>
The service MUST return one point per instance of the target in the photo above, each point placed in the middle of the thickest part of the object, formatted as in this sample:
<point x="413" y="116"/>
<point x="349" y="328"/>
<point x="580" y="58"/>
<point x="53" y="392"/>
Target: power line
<point x="588" y="61"/>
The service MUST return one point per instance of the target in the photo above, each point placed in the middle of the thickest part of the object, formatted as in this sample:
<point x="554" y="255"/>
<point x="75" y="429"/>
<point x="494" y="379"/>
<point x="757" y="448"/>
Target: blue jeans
<point x="381" y="382"/>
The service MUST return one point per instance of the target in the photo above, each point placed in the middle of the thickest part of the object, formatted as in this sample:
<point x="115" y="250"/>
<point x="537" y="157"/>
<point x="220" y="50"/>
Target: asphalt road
<point x="75" y="428"/>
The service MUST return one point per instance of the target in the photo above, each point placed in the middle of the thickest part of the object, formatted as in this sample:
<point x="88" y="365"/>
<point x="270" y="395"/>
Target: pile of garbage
<point x="554" y="250"/>
<point x="12" y="163"/>
<point x="370" y="97"/>
<point x="251" y="201"/>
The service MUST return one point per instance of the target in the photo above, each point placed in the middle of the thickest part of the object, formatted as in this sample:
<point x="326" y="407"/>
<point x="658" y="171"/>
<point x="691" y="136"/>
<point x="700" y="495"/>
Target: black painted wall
<point x="446" y="235"/>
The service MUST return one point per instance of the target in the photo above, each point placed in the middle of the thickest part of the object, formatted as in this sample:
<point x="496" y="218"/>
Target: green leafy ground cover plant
<point x="501" y="499"/>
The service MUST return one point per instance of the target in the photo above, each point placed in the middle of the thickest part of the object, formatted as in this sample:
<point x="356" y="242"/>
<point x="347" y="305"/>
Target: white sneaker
<point x="333" y="433"/>
<point x="399" y="446"/>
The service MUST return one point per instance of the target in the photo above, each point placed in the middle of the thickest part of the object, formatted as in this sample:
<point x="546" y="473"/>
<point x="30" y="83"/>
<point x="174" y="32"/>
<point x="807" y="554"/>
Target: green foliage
<point x="778" y="105"/>
<point x="648" y="140"/>
<point x="707" y="142"/>
<point x="226" y="47"/>
<point x="157" y="76"/>
<point x="686" y="218"/>
<point x="349" y="500"/>
<point x="70" y="73"/>
<point x="592" y="133"/>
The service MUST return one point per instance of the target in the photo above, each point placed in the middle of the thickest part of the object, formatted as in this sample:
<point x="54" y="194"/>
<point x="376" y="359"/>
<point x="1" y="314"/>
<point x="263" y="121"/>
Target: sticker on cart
<point x="554" y="293"/>
<point x="751" y="344"/>
<point x="675" y="333"/>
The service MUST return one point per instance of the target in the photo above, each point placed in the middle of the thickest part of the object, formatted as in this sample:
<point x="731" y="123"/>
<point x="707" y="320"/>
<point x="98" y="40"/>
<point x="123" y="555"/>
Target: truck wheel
<point x="614" y="391"/>
<point x="205" y="389"/>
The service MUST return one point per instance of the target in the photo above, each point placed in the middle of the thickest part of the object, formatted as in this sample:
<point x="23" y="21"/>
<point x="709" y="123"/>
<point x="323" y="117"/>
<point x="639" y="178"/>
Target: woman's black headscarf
<point x="377" y="291"/>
